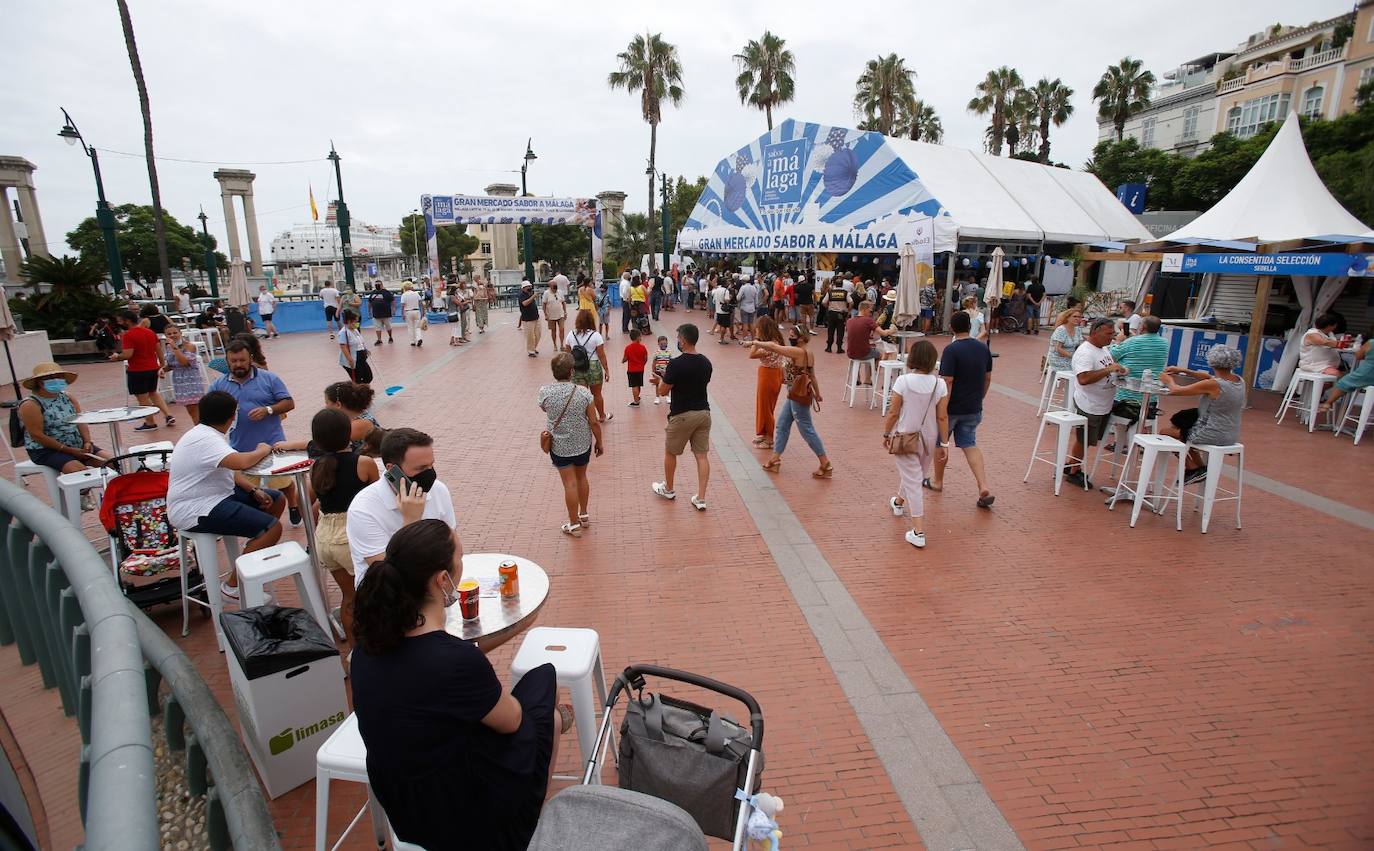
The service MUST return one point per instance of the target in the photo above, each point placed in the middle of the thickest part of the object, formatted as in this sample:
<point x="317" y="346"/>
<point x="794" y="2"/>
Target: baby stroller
<point x="686" y="772"/>
<point x="143" y="544"/>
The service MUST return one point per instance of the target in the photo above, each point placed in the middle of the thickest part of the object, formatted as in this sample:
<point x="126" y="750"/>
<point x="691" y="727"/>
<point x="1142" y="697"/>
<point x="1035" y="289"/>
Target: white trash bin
<point x="288" y="690"/>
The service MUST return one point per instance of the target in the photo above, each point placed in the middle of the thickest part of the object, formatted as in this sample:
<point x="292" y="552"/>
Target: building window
<point x="1190" y="123"/>
<point x="486" y="246"/>
<point x="1312" y="102"/>
<point x="482" y="228"/>
<point x="1366" y="74"/>
<point x="1246" y="120"/>
<point x="1147" y="133"/>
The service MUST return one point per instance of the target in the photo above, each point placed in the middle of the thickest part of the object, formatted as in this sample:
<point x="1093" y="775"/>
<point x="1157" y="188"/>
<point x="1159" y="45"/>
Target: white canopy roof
<point x="1280" y="198"/>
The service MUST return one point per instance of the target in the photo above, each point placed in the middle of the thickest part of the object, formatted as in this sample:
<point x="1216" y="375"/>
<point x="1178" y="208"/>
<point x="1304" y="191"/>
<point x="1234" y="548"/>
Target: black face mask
<point x="425" y="479"/>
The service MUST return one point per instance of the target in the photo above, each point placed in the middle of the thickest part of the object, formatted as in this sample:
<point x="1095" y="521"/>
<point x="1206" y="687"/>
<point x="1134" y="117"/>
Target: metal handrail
<point x="63" y="609"/>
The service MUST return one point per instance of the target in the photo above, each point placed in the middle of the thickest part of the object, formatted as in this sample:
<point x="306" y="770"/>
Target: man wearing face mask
<point x="263" y="399"/>
<point x="408" y="491"/>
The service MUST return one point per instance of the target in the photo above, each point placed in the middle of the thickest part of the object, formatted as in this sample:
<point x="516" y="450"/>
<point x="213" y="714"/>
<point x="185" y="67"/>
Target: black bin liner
<point x="270" y="639"/>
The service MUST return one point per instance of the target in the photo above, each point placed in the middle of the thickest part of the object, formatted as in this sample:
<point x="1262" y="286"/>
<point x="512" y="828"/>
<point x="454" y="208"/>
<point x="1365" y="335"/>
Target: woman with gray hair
<point x="1216" y="419"/>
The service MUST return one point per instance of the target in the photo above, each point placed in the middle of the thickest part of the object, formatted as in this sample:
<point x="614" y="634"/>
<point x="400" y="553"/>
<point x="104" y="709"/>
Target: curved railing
<point x="64" y="611"/>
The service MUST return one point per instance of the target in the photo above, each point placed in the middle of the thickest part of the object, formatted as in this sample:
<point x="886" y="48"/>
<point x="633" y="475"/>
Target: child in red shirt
<point x="636" y="356"/>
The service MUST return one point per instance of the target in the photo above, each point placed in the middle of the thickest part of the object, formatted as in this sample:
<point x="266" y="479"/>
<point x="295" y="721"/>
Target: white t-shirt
<point x="1135" y="322"/>
<point x="330" y="295"/>
<point x="355" y="342"/>
<point x="587" y="341"/>
<point x="918" y="408"/>
<point x="1095" y="398"/>
<point x="721" y="296"/>
<point x="624" y="290"/>
<point x="410" y="300"/>
<point x="267" y="303"/>
<point x="561" y="282"/>
<point x="553" y="305"/>
<point x="373" y="518"/>
<point x="197" y="483"/>
<point x="976" y="323"/>
<point x="184" y="302"/>
<point x="705" y="286"/>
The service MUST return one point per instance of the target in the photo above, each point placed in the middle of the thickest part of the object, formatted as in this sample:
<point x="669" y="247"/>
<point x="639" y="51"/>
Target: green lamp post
<point x="341" y="218"/>
<point x="667" y="246"/>
<point x="525" y="228"/>
<point x="210" y="269"/>
<point x="104" y="216"/>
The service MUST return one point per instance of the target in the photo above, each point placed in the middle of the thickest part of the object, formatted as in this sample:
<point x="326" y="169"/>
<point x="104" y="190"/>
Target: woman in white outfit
<point x="920" y="405"/>
<point x="410" y="310"/>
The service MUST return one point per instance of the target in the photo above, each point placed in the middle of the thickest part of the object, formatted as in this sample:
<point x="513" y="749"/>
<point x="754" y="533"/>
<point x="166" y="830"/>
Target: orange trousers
<point x="766" y="401"/>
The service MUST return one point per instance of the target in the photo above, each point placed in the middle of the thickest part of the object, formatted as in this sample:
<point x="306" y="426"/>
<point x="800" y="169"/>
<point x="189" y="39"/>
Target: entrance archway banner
<point x="443" y="210"/>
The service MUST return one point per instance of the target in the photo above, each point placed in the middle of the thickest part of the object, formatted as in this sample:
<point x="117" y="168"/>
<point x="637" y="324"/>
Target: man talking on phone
<point x="408" y="491"/>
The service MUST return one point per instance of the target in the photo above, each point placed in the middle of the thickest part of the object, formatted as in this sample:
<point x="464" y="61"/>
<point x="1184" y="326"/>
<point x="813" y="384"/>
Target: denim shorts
<point x="963" y="429"/>
<point x="238" y="515"/>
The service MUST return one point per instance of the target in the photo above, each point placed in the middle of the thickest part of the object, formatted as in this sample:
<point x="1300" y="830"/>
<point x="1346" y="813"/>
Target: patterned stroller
<point x="143" y="544"/>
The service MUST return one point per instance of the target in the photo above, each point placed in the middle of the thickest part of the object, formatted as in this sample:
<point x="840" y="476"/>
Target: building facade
<point x="1314" y="69"/>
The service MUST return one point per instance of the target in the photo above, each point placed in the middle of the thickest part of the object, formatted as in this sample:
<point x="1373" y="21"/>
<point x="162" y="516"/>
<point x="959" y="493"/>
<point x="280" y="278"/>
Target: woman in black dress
<point x="456" y="760"/>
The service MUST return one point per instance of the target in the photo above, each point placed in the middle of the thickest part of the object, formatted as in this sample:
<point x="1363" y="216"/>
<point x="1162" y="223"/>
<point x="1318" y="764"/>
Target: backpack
<point x="581" y="362"/>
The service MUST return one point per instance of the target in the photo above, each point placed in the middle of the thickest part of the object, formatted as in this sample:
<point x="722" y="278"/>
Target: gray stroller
<point x="686" y="772"/>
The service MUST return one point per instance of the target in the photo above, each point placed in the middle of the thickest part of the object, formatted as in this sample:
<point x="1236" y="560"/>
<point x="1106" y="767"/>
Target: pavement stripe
<point x="944" y="798"/>
<point x="1307" y="499"/>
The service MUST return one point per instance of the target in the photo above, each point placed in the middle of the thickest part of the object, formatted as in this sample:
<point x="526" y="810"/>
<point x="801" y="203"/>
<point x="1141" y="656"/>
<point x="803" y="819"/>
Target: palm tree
<point x="997" y="89"/>
<point x="159" y="228"/>
<point x="628" y="244"/>
<point x="1123" y="90"/>
<point x="883" y="90"/>
<point x="1020" y="121"/>
<point x="765" y="78"/>
<point x="920" y="123"/>
<point x="1050" y="104"/>
<point x="650" y="67"/>
<point x="65" y="277"/>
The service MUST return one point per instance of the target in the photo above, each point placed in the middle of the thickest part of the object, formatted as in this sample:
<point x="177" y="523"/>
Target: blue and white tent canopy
<point x="812" y="188"/>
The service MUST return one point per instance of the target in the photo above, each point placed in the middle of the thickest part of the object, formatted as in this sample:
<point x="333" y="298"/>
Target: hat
<point x="526" y="284"/>
<point x="47" y="369"/>
<point x="890" y="295"/>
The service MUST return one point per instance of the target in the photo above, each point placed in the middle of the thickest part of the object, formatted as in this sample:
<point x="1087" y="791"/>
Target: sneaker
<point x="1194" y="475"/>
<point x="229" y="591"/>
<point x="1077" y="480"/>
<point x="145" y="427"/>
<point x="916" y="539"/>
<point x="698" y="503"/>
<point x="634" y="404"/>
<point x="896" y="508"/>
<point x="378" y="343"/>
<point x="661" y="489"/>
<point x="295" y="514"/>
<point x="658" y="400"/>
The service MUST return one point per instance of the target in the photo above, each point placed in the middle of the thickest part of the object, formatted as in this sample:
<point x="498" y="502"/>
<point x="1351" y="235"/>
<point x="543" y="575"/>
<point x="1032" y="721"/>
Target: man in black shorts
<point x="380" y="301"/>
<point x="689" y="415"/>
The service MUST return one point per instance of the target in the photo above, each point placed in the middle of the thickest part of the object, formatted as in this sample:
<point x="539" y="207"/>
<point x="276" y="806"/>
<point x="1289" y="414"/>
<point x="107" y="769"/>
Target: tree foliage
<point x="454" y="241"/>
<point x="137" y="241"/>
<point x="1341" y="150"/>
<point x="1122" y="91"/>
<point x="627" y="246"/>
<point x="996" y="96"/>
<point x="1050" y="104"/>
<point x="682" y="199"/>
<point x="650" y="68"/>
<point x="73" y="295"/>
<point x="765" y="78"/>
<point x="883" y="91"/>
<point x="566" y="248"/>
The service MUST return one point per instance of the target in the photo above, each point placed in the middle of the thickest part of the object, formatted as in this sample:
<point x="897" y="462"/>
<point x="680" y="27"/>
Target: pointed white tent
<point x="1281" y="198"/>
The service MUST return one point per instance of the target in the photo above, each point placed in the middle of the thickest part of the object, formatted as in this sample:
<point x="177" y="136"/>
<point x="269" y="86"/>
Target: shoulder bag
<point x="546" y="436"/>
<point x="803" y="389"/>
<point x="914" y="442"/>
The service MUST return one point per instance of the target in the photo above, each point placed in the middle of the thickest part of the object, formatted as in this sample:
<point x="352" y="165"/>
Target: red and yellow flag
<point x="314" y="211"/>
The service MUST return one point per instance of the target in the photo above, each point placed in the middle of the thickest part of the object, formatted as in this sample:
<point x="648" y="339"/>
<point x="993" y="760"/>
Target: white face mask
<point x="451" y="595"/>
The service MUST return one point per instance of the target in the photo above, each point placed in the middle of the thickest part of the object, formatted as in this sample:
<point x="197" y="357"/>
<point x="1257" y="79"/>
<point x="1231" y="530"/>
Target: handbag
<point x="686" y="754"/>
<point x="912" y="442"/>
<point x="424" y="323"/>
<point x="803" y="389"/>
<point x="546" y="436"/>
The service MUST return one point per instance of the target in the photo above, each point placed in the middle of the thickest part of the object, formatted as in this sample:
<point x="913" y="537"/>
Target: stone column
<point x="231" y="225"/>
<point x="28" y="208"/>
<point x="612" y="206"/>
<point x="250" y="221"/>
<point x="9" y="240"/>
<point x="504" y="254"/>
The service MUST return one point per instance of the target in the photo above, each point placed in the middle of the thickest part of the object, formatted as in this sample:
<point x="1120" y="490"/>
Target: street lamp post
<point x="525" y="228"/>
<point x="341" y="218"/>
<point x="414" y="240"/>
<point x="209" y="256"/>
<point x="666" y="220"/>
<point x="104" y="216"/>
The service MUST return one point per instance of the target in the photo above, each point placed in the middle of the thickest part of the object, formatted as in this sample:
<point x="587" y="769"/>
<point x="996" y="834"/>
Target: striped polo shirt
<point x="1146" y="351"/>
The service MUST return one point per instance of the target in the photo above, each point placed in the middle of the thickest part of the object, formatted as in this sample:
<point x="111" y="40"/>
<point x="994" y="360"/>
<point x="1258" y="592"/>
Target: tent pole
<point x="949" y="288"/>
<point x="1256" y="337"/>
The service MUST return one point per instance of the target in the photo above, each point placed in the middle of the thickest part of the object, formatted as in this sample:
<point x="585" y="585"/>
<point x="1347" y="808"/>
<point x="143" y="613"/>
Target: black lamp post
<point x="666" y="223"/>
<point x="210" y="269"/>
<point x="414" y="240"/>
<point x="341" y="218"/>
<point x="104" y="216"/>
<point x="525" y="228"/>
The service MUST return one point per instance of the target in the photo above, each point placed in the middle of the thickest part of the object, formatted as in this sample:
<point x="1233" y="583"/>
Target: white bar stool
<point x="1311" y="386"/>
<point x="891" y="369"/>
<point x="207" y="559"/>
<point x="1362" y="421"/>
<point x="1053" y="377"/>
<point x="1066" y="422"/>
<point x="71" y="486"/>
<point x="1216" y="460"/>
<point x="343" y="756"/>
<point x="1121" y="430"/>
<point x="576" y="655"/>
<point x="852" y="387"/>
<point x="1151" y="447"/>
<point x="287" y="560"/>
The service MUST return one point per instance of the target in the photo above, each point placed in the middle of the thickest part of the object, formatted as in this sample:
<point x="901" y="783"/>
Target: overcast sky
<point x="439" y="97"/>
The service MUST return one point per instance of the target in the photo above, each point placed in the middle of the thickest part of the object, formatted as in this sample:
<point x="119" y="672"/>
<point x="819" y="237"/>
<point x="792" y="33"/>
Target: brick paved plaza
<point x="1039" y="676"/>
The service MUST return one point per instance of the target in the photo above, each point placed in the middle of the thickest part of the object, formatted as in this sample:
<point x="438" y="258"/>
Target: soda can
<point x="510" y="579"/>
<point x="469" y="597"/>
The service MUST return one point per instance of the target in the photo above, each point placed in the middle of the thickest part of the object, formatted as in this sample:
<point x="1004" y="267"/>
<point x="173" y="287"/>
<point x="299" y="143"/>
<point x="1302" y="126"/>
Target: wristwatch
<point x="270" y="412"/>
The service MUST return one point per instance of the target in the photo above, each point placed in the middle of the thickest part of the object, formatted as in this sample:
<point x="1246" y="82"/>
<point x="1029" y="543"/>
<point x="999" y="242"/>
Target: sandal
<point x="566" y="718"/>
<point x="584" y="520"/>
<point x="574" y="529"/>
<point x="171" y="421"/>
<point x="986" y="501"/>
<point x="925" y="483"/>
<point x="824" y="472"/>
<point x="773" y="466"/>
